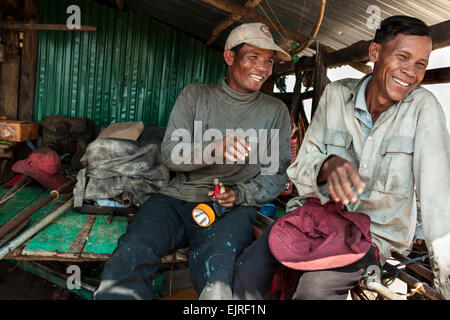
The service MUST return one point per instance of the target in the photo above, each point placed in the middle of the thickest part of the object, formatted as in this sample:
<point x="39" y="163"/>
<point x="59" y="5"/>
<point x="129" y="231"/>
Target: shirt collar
<point x="238" y="97"/>
<point x="354" y="91"/>
<point x="360" y="99"/>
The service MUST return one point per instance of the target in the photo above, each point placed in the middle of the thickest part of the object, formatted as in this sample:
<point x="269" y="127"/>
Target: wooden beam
<point x="440" y="33"/>
<point x="236" y="9"/>
<point x="20" y="26"/>
<point x="120" y="4"/>
<point x="437" y="76"/>
<point x="28" y="63"/>
<point x="357" y="53"/>
<point x="250" y="4"/>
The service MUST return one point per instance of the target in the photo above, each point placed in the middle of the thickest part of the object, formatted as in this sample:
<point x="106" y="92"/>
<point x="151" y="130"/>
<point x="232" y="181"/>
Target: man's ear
<point x="374" y="51"/>
<point x="229" y="56"/>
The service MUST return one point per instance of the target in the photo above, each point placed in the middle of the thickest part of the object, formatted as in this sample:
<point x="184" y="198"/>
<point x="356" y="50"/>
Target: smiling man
<point x="165" y="222"/>
<point x="375" y="145"/>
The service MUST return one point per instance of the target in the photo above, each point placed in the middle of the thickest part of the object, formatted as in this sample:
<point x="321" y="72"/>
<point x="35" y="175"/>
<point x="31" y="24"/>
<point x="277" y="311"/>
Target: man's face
<point x="400" y="65"/>
<point x="248" y="69"/>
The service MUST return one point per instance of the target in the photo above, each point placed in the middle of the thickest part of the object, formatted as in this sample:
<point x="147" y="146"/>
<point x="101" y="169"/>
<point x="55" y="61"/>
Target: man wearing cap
<point x="165" y="222"/>
<point x="375" y="145"/>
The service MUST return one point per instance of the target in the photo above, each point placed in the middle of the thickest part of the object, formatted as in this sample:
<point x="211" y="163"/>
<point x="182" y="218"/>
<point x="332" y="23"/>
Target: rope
<point x="274" y="25"/>
<point x="282" y="28"/>
<point x="301" y="18"/>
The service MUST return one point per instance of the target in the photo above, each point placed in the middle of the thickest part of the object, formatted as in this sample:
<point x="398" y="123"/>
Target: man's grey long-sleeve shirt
<point x="205" y="113"/>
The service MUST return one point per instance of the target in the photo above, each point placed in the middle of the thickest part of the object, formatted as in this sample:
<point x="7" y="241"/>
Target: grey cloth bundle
<point x="116" y="165"/>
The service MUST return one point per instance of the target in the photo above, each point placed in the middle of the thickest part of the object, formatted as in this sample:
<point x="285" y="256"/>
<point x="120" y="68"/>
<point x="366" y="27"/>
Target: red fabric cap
<point x="43" y="165"/>
<point x="319" y="237"/>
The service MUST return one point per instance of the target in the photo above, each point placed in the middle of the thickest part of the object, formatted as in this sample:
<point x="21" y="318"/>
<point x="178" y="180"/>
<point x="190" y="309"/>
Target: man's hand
<point x="225" y="199"/>
<point x="233" y="147"/>
<point x="340" y="175"/>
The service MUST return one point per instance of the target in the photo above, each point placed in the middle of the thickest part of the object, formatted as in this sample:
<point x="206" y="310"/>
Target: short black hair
<point x="394" y="25"/>
<point x="236" y="49"/>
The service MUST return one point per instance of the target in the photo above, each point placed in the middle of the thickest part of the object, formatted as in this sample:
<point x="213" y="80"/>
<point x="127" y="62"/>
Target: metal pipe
<point x="22" y="182"/>
<point x="418" y="286"/>
<point x="15" y="222"/>
<point x="14" y="244"/>
<point x="383" y="291"/>
<point x="417" y="268"/>
<point x="85" y="291"/>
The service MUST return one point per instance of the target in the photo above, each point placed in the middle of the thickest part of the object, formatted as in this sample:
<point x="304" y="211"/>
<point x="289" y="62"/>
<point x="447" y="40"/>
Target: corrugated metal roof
<point x="344" y="22"/>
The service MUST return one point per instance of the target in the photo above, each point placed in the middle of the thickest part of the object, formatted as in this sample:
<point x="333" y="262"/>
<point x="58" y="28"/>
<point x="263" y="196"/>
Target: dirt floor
<point x="17" y="284"/>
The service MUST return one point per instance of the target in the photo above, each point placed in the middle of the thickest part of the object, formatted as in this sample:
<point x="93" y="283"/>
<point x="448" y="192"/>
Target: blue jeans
<point x="164" y="224"/>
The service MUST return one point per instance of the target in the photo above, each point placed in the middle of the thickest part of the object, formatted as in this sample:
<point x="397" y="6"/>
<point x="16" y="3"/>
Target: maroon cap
<point x="43" y="165"/>
<point x="318" y="237"/>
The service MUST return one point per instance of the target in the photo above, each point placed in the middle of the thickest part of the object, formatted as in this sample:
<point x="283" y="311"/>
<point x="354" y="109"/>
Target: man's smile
<point x="256" y="78"/>
<point x="401" y="82"/>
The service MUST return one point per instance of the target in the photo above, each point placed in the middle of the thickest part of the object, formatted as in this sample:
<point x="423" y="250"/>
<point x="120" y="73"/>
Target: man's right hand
<point x="340" y="175"/>
<point x="233" y="147"/>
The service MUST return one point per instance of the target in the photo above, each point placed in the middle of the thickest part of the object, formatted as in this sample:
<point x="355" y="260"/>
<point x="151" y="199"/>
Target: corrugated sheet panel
<point x="131" y="69"/>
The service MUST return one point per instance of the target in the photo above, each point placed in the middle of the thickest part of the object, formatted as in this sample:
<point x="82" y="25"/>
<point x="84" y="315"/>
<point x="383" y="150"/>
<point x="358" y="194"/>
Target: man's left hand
<point x="225" y="199"/>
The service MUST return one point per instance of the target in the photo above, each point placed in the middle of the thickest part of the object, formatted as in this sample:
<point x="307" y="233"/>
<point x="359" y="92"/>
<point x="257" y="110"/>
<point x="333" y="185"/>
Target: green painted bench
<point x="73" y="236"/>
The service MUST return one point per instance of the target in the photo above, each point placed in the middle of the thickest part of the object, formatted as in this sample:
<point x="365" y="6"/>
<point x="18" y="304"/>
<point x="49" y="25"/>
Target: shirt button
<point x="369" y="138"/>
<point x="364" y="165"/>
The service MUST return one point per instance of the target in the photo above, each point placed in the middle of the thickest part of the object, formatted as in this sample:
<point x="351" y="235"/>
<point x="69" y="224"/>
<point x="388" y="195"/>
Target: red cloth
<point x="317" y="237"/>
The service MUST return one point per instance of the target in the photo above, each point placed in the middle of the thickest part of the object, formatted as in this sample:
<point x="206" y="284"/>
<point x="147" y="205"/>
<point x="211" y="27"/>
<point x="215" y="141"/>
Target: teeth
<point x="256" y="78"/>
<point x="405" y="84"/>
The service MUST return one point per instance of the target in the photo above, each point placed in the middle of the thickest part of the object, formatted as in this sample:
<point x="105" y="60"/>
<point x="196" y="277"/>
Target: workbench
<point x="73" y="236"/>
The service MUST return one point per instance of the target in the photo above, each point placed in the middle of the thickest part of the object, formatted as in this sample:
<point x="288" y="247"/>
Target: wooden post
<point x="9" y="73"/>
<point x="28" y="63"/>
<point x="320" y="80"/>
<point x="268" y="86"/>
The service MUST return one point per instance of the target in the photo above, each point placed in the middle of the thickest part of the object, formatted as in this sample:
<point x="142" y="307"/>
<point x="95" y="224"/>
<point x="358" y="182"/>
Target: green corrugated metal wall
<point x="131" y="69"/>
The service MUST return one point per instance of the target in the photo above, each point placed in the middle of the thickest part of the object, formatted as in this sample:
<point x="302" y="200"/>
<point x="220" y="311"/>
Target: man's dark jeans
<point x="164" y="224"/>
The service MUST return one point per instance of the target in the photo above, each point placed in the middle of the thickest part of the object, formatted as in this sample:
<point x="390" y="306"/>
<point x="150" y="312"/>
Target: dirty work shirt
<point x="201" y="107"/>
<point x="408" y="147"/>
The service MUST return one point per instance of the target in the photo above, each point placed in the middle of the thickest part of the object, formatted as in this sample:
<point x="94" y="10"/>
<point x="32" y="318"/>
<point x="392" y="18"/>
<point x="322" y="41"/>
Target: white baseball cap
<point x="255" y="34"/>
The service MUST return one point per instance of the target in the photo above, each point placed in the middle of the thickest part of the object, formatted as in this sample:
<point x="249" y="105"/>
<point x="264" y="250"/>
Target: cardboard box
<point x="17" y="131"/>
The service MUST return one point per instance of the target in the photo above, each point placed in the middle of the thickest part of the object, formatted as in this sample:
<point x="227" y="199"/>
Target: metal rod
<point x="85" y="291"/>
<point x="13" y="223"/>
<point x="420" y="287"/>
<point x="383" y="291"/>
<point x="14" y="244"/>
<point x="22" y="182"/>
<point x="417" y="268"/>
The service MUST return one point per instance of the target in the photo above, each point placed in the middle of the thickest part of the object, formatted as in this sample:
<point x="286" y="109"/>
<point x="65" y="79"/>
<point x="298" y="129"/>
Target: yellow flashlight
<point x="203" y="215"/>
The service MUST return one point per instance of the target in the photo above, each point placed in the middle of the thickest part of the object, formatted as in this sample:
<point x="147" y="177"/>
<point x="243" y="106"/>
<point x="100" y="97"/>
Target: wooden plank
<point x="437" y="76"/>
<point x="58" y="237"/>
<point x="28" y="63"/>
<point x="23" y="198"/>
<point x="82" y="237"/>
<point x="104" y="237"/>
<point x="20" y="26"/>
